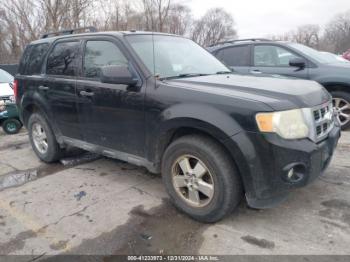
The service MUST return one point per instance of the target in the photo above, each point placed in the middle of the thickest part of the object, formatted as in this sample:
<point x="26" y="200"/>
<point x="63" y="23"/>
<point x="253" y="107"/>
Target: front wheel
<point x="341" y="104"/>
<point x="201" y="178"/>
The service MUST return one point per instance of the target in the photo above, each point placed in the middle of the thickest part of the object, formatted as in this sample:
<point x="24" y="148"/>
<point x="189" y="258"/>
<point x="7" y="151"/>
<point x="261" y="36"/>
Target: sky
<point x="260" y="18"/>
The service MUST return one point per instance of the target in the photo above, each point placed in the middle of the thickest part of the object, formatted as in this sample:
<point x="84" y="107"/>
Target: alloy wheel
<point x="342" y="109"/>
<point x="39" y="138"/>
<point x="193" y="181"/>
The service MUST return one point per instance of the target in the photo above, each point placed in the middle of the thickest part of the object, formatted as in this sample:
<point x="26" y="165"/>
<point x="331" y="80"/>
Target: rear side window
<point x="24" y="60"/>
<point x="36" y="59"/>
<point x="235" y="56"/>
<point x="63" y="59"/>
<point x="32" y="59"/>
<point x="99" y="54"/>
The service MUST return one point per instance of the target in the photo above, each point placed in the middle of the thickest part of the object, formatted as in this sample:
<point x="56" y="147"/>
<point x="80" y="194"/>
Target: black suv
<point x="262" y="56"/>
<point x="163" y="102"/>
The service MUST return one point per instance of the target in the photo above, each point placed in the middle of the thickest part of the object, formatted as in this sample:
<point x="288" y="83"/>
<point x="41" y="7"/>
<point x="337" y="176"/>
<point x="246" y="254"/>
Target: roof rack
<point x="70" y="31"/>
<point x="240" y="40"/>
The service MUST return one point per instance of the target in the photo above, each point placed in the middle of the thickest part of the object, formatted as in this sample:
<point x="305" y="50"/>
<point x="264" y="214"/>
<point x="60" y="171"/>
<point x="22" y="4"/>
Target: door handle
<point x="256" y="71"/>
<point x="85" y="93"/>
<point x="44" y="88"/>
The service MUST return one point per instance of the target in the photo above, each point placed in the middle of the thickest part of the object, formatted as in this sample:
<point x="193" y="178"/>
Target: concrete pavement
<point x="110" y="207"/>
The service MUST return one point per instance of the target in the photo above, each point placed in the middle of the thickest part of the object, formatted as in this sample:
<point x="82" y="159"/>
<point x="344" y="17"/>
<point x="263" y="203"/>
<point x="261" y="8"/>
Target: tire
<point x="53" y="151"/>
<point x="344" y="99"/>
<point x="11" y="126"/>
<point x="222" y="176"/>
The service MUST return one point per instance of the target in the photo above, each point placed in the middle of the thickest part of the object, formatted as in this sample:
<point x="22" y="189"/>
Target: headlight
<point x="288" y="124"/>
<point x="12" y="99"/>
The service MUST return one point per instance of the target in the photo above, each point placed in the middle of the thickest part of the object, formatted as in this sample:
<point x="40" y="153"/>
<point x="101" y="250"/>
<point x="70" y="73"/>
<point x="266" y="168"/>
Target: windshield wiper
<point x="183" y="76"/>
<point x="223" y="72"/>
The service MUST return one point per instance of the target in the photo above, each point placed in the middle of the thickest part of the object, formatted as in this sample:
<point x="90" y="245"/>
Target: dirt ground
<point x="109" y="207"/>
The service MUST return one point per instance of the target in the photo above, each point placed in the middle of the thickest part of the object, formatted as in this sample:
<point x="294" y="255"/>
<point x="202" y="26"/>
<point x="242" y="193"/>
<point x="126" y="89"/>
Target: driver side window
<point x="273" y="56"/>
<point x="99" y="54"/>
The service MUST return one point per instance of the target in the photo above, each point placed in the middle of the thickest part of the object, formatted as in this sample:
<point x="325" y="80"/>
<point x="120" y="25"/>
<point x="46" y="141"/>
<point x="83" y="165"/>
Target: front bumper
<point x="264" y="161"/>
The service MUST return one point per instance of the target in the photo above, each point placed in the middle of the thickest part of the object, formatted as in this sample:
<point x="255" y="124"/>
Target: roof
<point x="228" y="43"/>
<point x="104" y="33"/>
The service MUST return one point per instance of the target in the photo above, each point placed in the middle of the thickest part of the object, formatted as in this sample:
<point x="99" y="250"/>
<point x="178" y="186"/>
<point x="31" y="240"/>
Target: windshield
<point x="174" y="56"/>
<point x="320" y="57"/>
<point x="5" y="77"/>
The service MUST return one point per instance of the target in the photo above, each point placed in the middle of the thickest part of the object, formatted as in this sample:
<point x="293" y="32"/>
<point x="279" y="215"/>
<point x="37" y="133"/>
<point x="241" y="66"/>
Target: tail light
<point x="15" y="88"/>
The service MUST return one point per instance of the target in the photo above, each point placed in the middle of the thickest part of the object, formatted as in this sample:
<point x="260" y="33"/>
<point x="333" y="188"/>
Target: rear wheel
<point x="11" y="126"/>
<point x="43" y="139"/>
<point x="200" y="178"/>
<point x="341" y="104"/>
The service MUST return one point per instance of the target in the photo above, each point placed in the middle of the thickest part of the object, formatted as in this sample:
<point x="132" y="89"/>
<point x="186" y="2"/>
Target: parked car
<point x="346" y="55"/>
<point x="163" y="102"/>
<point x="6" y="86"/>
<point x="9" y="117"/>
<point x="257" y="56"/>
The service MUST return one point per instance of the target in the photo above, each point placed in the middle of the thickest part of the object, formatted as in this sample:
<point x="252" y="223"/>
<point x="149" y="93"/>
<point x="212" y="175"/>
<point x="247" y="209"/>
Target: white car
<point x="6" y="82"/>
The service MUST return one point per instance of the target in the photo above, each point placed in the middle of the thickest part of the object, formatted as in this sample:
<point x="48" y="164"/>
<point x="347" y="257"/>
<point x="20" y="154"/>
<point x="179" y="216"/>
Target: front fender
<point x="203" y="118"/>
<point x="212" y="116"/>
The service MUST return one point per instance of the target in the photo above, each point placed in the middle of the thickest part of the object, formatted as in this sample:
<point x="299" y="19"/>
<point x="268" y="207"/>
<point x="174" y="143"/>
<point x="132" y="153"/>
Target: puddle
<point x="14" y="146"/>
<point x="80" y="159"/>
<point x="160" y="230"/>
<point x="20" y="177"/>
<point x="17" y="179"/>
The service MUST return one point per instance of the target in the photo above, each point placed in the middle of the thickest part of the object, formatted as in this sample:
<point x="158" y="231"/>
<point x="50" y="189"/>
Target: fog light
<point x="290" y="173"/>
<point x="294" y="173"/>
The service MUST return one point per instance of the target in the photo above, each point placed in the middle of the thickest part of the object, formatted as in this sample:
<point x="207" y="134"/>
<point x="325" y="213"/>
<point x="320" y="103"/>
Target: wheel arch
<point x="35" y="104"/>
<point x="181" y="127"/>
<point x="336" y="86"/>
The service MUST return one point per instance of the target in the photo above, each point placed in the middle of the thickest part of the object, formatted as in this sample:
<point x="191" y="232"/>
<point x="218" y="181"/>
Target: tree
<point x="24" y="21"/>
<point x="308" y="35"/>
<point x="215" y="26"/>
<point x="337" y="33"/>
<point x="178" y="20"/>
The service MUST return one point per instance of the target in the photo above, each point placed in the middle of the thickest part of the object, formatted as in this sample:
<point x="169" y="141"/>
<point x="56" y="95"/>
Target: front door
<point x="111" y="114"/>
<point x="273" y="59"/>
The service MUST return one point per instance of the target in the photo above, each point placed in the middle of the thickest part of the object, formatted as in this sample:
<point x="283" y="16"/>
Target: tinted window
<point x="235" y="56"/>
<point x="99" y="54"/>
<point x="24" y="60"/>
<point x="268" y="55"/>
<point x="36" y="58"/>
<point x="63" y="59"/>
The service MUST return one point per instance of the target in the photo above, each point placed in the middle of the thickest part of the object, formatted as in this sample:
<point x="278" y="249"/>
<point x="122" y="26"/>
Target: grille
<point x="324" y="120"/>
<point x="5" y="98"/>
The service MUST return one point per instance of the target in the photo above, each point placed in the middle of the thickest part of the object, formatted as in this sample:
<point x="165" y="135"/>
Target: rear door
<point x="112" y="115"/>
<point x="60" y="86"/>
<point x="236" y="58"/>
<point x="274" y="59"/>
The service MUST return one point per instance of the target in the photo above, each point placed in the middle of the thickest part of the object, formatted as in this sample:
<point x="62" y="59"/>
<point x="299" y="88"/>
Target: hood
<point x="340" y="65"/>
<point x="5" y="90"/>
<point x="278" y="93"/>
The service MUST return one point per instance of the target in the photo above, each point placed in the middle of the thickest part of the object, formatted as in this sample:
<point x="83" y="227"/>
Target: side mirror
<point x="297" y="62"/>
<point x="117" y="74"/>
